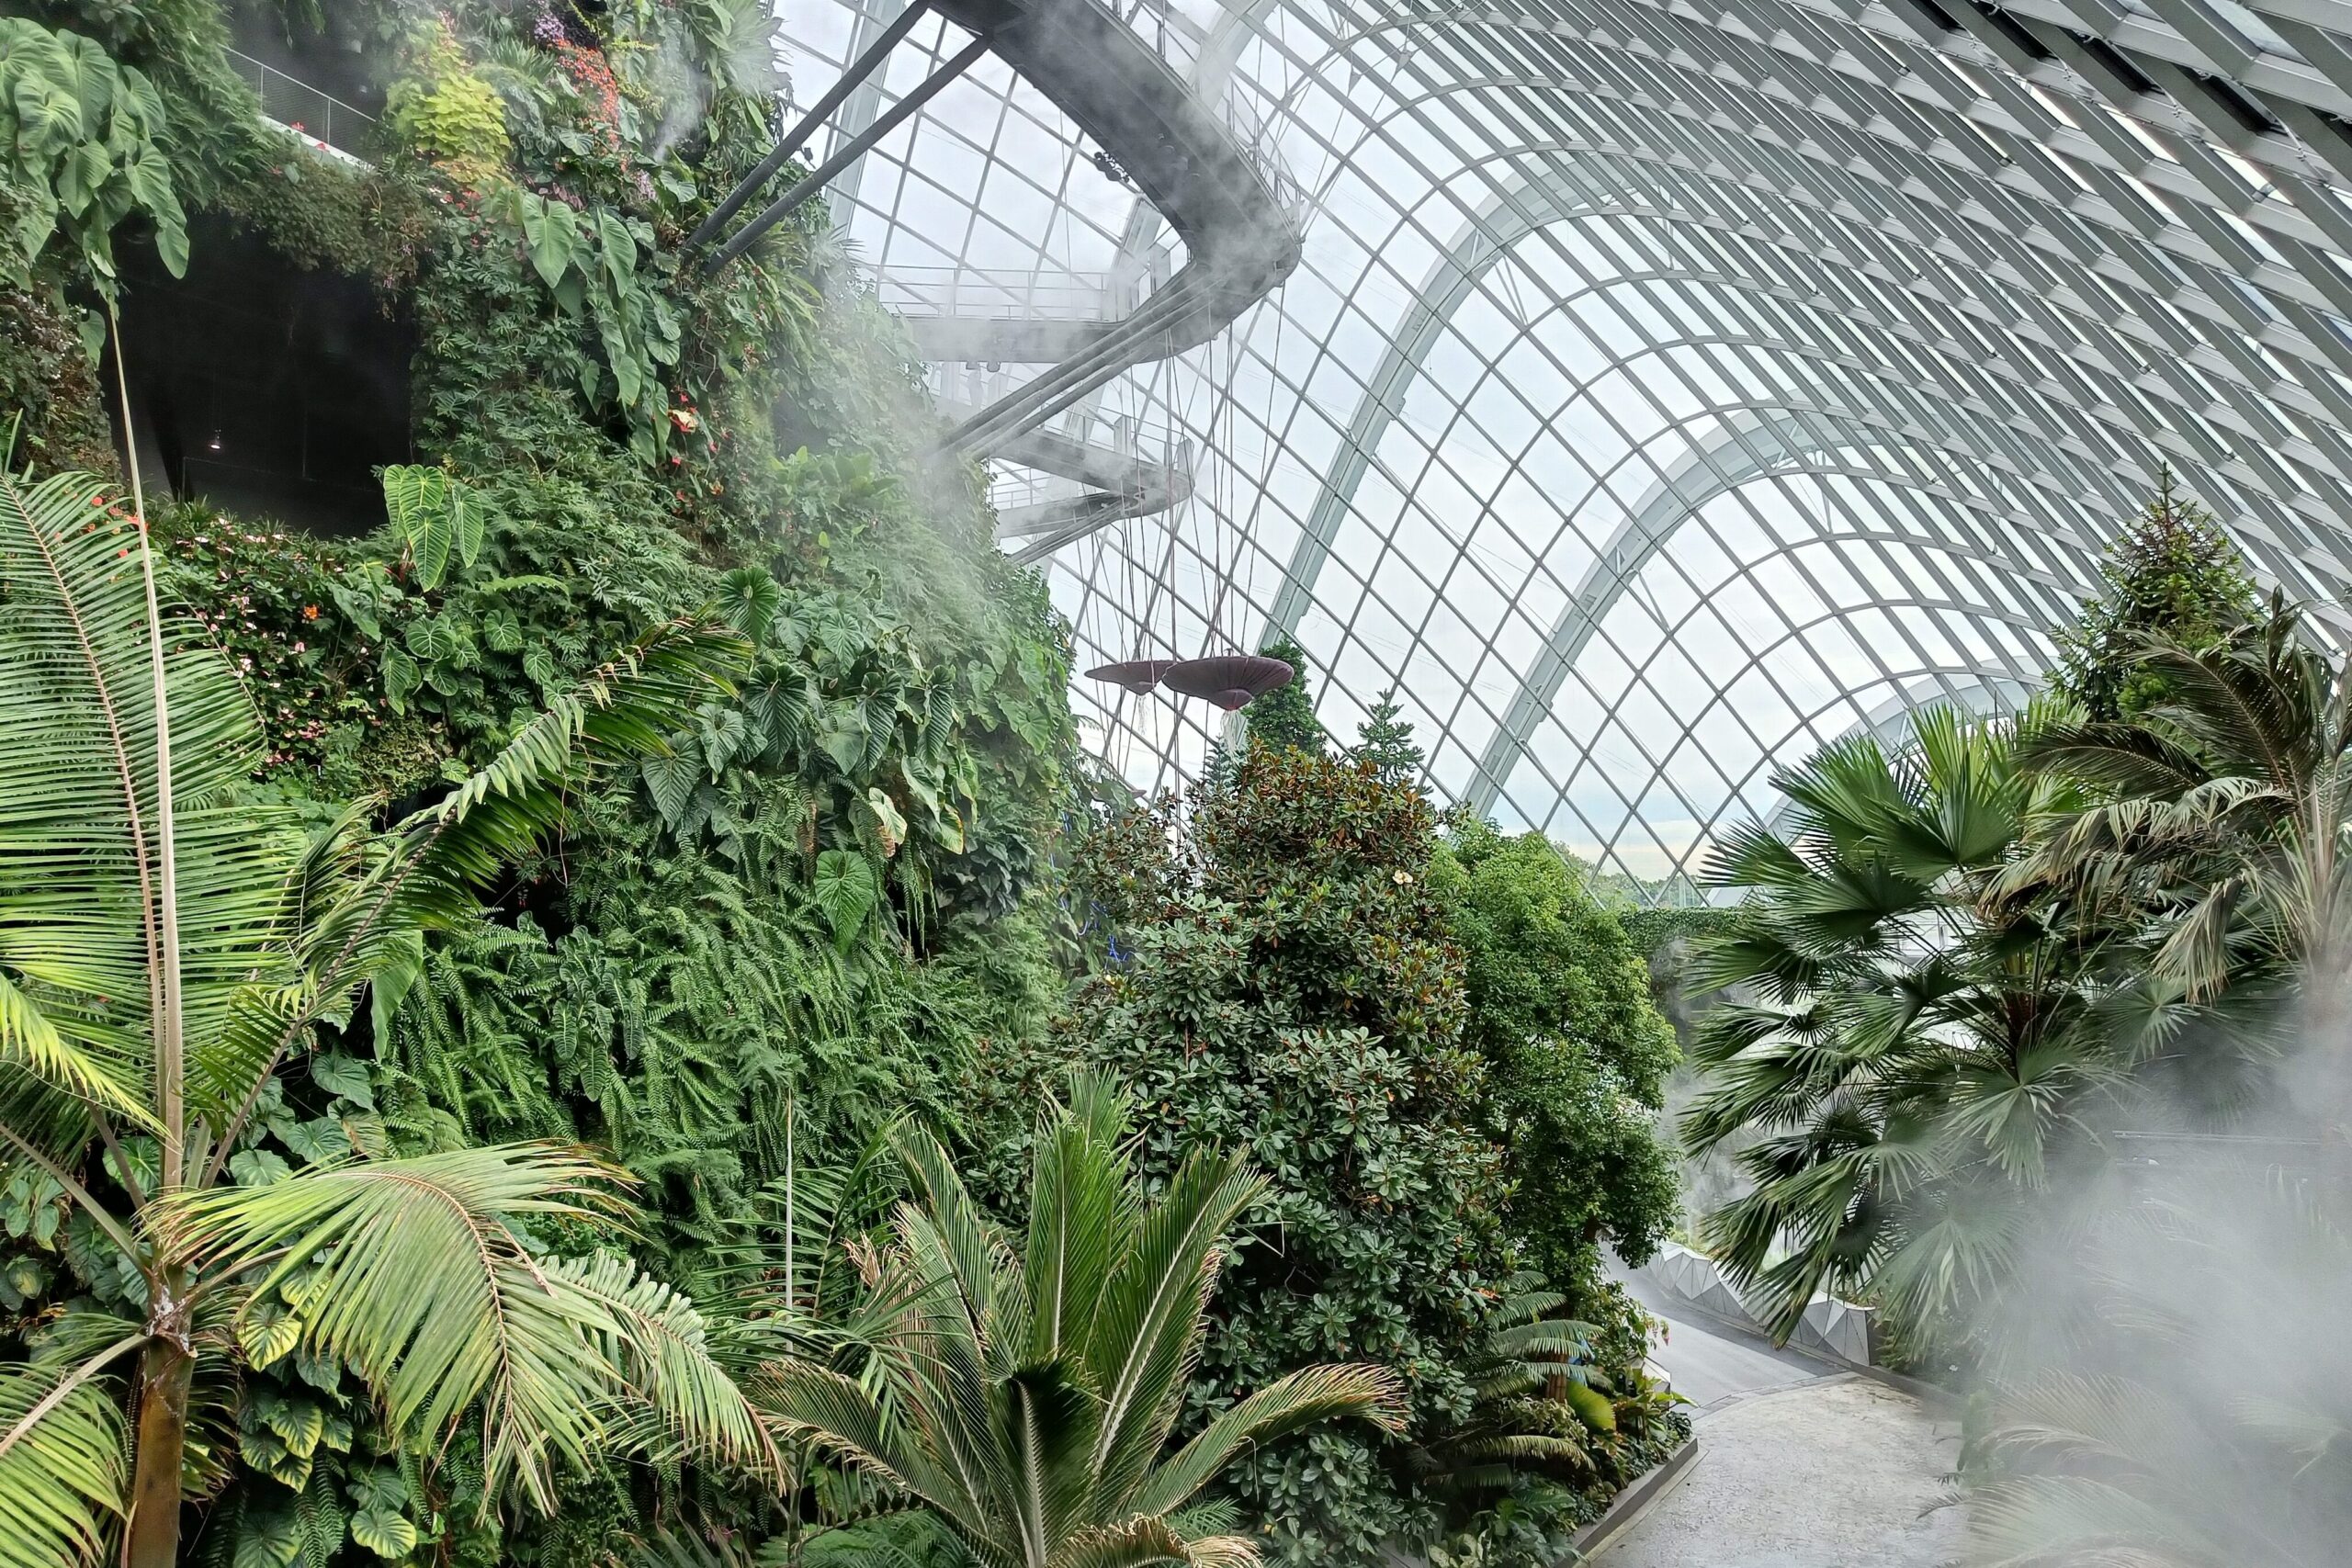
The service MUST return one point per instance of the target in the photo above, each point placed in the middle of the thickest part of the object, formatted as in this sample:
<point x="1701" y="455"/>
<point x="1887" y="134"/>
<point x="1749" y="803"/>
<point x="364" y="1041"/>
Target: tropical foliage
<point x="1028" y="1388"/>
<point x="1917" y="1047"/>
<point x="171" y="949"/>
<point x="2036" y="1043"/>
<point x="1292" y="988"/>
<point x="499" y="912"/>
<point x="1577" y="1053"/>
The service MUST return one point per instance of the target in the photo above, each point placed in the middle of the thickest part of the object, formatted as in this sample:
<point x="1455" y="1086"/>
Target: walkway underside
<point x="1119" y="485"/>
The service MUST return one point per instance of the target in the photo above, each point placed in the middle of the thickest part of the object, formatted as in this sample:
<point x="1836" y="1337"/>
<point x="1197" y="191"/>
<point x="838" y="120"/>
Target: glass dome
<point x="1664" y="390"/>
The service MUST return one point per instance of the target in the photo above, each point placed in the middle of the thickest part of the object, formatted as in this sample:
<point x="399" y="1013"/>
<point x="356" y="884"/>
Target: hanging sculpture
<point x="1231" y="680"/>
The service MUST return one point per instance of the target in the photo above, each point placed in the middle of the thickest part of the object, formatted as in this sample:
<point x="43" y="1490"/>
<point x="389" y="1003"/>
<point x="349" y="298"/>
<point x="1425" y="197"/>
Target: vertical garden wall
<point x="832" y="889"/>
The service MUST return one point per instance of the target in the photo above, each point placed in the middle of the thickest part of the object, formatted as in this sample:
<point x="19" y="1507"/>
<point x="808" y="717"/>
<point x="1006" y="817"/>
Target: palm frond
<point x="411" y="1271"/>
<point x="63" y="1475"/>
<point x="79" y="881"/>
<point x="1303" y="1399"/>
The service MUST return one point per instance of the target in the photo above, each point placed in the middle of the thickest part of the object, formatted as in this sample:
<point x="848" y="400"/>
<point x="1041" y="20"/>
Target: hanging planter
<point x="1231" y="680"/>
<point x="1136" y="675"/>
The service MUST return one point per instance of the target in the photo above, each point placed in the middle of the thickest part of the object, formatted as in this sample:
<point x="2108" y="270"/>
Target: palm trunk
<point x="153" y="1538"/>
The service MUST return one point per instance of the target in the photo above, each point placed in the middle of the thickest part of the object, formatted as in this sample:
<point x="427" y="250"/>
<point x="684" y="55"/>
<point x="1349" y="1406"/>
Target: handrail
<point x="317" y="117"/>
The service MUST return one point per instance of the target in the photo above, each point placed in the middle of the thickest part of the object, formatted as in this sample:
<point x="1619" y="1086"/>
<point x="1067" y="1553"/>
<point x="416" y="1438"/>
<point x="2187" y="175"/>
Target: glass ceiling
<point x="1666" y="387"/>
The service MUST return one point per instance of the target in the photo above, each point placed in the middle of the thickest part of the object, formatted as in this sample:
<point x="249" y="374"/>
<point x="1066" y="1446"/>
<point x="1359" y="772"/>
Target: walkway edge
<point x="1935" y="1396"/>
<point x="1628" y="1507"/>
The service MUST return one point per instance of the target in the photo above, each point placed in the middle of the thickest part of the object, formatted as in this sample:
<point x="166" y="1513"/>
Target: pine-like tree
<point x="1285" y="717"/>
<point x="2173" y="573"/>
<point x="1386" y="743"/>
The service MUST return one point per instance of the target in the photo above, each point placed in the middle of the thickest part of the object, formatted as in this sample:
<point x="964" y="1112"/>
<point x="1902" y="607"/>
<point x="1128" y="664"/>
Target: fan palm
<point x="167" y="948"/>
<point x="1025" y="1398"/>
<point x="2228" y="810"/>
<point x="1915" y="1045"/>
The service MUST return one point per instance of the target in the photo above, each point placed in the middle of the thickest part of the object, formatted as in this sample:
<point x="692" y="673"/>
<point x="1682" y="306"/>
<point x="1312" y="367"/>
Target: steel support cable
<point x="856" y="148"/>
<point x="853" y="76"/>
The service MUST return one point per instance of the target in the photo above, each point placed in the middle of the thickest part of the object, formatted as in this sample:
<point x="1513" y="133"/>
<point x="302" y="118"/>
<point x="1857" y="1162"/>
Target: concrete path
<point x="1799" y="1467"/>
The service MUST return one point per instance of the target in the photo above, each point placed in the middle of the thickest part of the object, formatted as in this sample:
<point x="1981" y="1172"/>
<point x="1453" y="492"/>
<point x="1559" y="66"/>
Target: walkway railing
<point x="320" y="118"/>
<point x="1010" y="292"/>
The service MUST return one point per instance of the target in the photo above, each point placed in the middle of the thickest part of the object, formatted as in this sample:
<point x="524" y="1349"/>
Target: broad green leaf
<point x="749" y="598"/>
<point x="670" y="779"/>
<point x="383" y="1532"/>
<point x="343" y="1076"/>
<point x="259" y="1168"/>
<point x="847" y="890"/>
<point x="890" y="825"/>
<point x="551" y="232"/>
<point x="268" y="1333"/>
<point x="298" y="1423"/>
<point x="267" y="1537"/>
<point x="376" y="1488"/>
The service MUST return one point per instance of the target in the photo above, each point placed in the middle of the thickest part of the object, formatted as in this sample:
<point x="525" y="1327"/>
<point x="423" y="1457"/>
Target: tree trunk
<point x="152" y="1537"/>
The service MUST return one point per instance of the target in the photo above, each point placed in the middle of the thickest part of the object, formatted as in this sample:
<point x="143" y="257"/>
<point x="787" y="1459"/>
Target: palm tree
<point x="2228" y="810"/>
<point x="167" y="948"/>
<point x="1916" y="1044"/>
<point x="1025" y="1398"/>
<point x="2181" y="1407"/>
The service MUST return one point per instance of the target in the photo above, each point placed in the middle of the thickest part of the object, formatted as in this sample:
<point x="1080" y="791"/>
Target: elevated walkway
<point x="1114" y="482"/>
<point x="1200" y="165"/>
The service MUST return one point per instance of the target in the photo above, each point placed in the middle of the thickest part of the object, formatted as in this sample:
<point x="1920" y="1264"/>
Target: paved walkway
<point x="1799" y="1467"/>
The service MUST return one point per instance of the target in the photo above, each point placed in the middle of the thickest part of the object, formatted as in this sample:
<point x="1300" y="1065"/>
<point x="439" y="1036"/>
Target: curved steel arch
<point x="1732" y="458"/>
<point x="1451" y="282"/>
<point x="1755" y="660"/>
<point x="1978" y="266"/>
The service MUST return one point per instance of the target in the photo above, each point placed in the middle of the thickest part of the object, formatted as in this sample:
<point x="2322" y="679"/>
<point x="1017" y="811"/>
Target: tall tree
<point x="1285" y="716"/>
<point x="1577" y="1053"/>
<point x="1289" y="991"/>
<point x="1384" y="742"/>
<point x="152" y="990"/>
<point x="2172" y="574"/>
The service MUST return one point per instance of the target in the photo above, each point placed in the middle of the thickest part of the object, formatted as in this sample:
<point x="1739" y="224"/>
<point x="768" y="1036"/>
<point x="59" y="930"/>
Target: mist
<point x="2168" y="1382"/>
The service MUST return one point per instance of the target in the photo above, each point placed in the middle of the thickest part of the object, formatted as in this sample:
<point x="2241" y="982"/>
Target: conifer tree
<point x="1285" y="717"/>
<point x="1385" y="741"/>
<point x="2172" y="573"/>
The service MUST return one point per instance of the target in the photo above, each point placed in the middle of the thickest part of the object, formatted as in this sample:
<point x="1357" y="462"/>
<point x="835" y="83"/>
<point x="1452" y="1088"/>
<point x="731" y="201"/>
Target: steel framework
<point x="1668" y="386"/>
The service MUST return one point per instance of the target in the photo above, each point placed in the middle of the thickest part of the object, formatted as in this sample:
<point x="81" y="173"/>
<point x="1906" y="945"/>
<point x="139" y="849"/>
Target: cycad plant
<point x="1912" y="1045"/>
<point x="1539" y="1402"/>
<point x="1026" y="1393"/>
<point x="169" y="944"/>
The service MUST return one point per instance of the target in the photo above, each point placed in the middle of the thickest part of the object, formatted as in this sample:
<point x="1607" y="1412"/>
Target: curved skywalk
<point x="1666" y="387"/>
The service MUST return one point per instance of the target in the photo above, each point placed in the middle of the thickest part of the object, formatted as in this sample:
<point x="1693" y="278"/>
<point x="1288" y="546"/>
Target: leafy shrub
<point x="1290" y="993"/>
<point x="440" y="109"/>
<point x="1559" y="1005"/>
